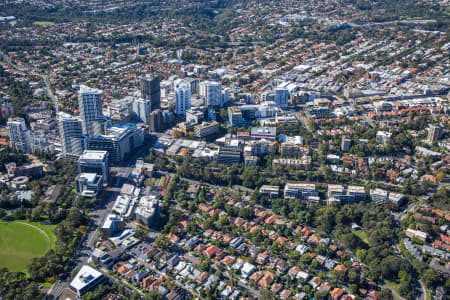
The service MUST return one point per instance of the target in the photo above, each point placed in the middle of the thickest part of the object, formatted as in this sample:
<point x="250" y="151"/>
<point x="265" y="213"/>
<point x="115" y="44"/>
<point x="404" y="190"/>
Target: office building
<point x="90" y="105"/>
<point x="141" y="109"/>
<point x="196" y="115"/>
<point x="151" y="90"/>
<point x="230" y="153"/>
<point x="183" y="98"/>
<point x="206" y="129"/>
<point x="88" y="185"/>
<point x="86" y="279"/>
<point x="268" y="96"/>
<point x="120" y="141"/>
<point x="282" y="97"/>
<point x="235" y="117"/>
<point x="300" y="190"/>
<point x="345" y="144"/>
<point x="94" y="162"/>
<point x="155" y="121"/>
<point x="71" y="134"/>
<point x="434" y="133"/>
<point x="268" y="133"/>
<point x="19" y="135"/>
<point x="111" y="225"/>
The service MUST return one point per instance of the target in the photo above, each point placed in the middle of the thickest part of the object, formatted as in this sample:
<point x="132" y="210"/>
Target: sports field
<point x="43" y="23"/>
<point x="21" y="241"/>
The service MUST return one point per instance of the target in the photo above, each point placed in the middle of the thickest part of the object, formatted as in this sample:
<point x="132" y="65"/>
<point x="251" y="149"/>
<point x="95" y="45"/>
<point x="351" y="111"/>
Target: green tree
<point x="432" y="278"/>
<point x="386" y="294"/>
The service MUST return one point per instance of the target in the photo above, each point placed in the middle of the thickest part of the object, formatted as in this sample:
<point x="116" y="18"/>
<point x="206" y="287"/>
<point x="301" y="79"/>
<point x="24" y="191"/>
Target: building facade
<point x="282" y="97"/>
<point x="151" y="90"/>
<point x="119" y="141"/>
<point x="155" y="121"/>
<point x="205" y="129"/>
<point x="19" y="135"/>
<point x="212" y="91"/>
<point x="183" y="98"/>
<point x="434" y="133"/>
<point x="90" y="105"/>
<point x="94" y="162"/>
<point x="141" y="109"/>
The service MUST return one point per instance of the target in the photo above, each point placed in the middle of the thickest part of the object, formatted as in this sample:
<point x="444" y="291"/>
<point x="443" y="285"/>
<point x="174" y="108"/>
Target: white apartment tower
<point x="282" y="97"/>
<point x="19" y="135"/>
<point x="90" y="105"/>
<point x="71" y="134"/>
<point x="142" y="109"/>
<point x="212" y="91"/>
<point x="183" y="98"/>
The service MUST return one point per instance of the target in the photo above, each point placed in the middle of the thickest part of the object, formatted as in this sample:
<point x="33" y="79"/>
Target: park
<point x="21" y="241"/>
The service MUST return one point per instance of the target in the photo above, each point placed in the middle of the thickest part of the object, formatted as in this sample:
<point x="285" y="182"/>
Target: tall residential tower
<point x="90" y="105"/>
<point x="151" y="90"/>
<point x="71" y="134"/>
<point x="19" y="135"/>
<point x="183" y="98"/>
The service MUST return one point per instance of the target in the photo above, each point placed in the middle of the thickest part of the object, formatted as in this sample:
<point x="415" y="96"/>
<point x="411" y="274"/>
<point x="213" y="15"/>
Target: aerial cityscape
<point x="225" y="149"/>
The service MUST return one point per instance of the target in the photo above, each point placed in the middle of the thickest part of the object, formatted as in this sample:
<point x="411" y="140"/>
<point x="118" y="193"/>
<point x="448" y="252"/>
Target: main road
<point x="88" y="242"/>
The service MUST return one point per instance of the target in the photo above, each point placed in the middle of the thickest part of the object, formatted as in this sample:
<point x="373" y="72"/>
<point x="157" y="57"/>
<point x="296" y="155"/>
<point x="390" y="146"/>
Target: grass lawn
<point x="394" y="285"/>
<point x="48" y="229"/>
<point x="362" y="235"/>
<point x="22" y="241"/>
<point x="43" y="23"/>
<point x="429" y="295"/>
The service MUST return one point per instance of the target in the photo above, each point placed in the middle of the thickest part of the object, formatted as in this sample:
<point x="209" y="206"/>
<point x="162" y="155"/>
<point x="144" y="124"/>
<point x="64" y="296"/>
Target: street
<point x="87" y="244"/>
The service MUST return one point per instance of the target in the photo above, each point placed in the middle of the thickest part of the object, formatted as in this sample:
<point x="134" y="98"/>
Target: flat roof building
<point x="206" y="128"/>
<point x="86" y="279"/>
<point x="119" y="140"/>
<point x="378" y="196"/>
<point x="123" y="206"/>
<point x="269" y="133"/>
<point x="94" y="162"/>
<point x="300" y="190"/>
<point x="147" y="208"/>
<point x="235" y="117"/>
<point x="112" y="224"/>
<point x="270" y="190"/>
<point x="88" y="184"/>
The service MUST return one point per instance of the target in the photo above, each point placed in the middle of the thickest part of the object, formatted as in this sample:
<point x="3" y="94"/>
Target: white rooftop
<point x="88" y="90"/>
<point x="94" y="155"/>
<point x="84" y="277"/>
<point x="89" y="177"/>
